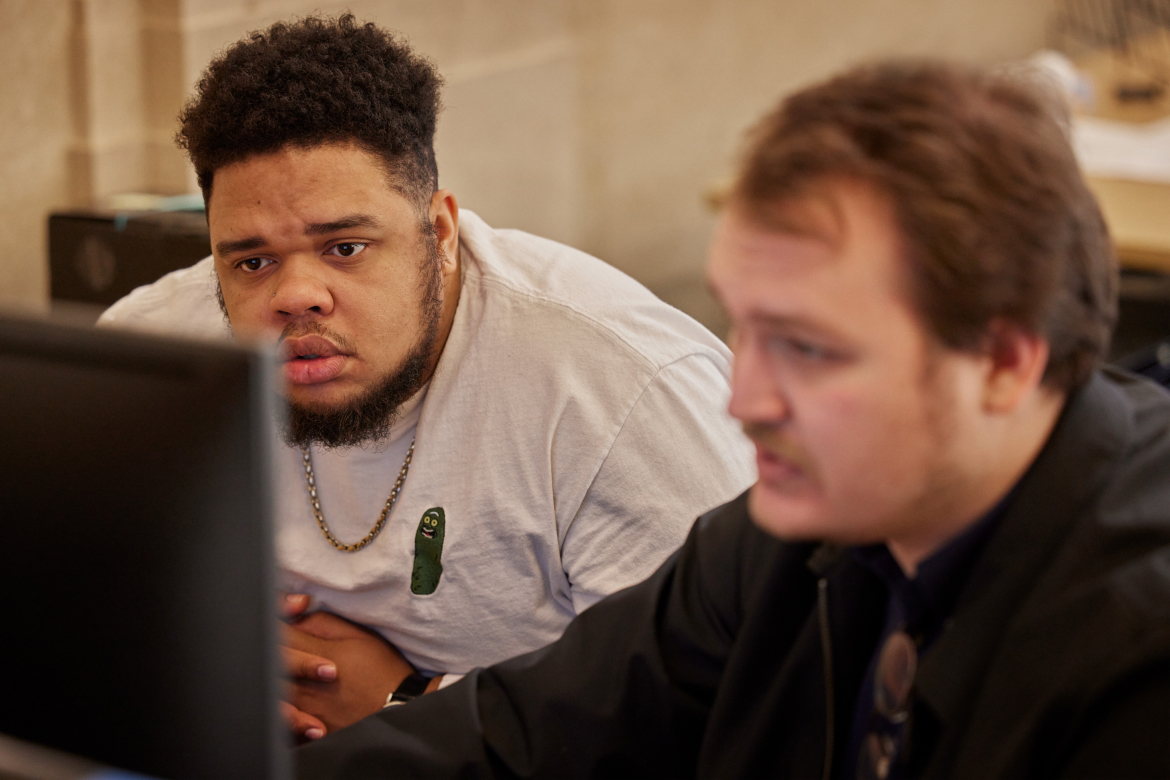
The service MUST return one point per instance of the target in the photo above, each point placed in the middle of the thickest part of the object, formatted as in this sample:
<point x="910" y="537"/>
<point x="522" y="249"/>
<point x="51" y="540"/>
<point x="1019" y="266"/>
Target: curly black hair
<point x="314" y="81"/>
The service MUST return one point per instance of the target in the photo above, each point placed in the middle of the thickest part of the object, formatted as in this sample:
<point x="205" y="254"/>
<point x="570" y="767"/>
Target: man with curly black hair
<point x="487" y="432"/>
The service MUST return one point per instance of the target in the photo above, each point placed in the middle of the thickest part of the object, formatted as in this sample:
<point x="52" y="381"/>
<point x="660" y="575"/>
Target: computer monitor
<point x="137" y="604"/>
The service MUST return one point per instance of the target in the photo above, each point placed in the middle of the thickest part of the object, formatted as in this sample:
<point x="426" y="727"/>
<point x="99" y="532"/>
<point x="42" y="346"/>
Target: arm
<point x="339" y="672"/>
<point x="625" y="691"/>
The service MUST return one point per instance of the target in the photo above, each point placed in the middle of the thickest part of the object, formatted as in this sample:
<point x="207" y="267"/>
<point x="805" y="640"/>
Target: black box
<point x="96" y="257"/>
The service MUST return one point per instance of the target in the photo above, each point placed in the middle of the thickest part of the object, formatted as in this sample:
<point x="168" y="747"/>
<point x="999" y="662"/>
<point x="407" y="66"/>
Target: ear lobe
<point x="1017" y="362"/>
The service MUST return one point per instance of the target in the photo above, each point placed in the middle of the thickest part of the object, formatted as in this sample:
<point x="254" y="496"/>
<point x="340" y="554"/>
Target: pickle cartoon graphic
<point x="428" y="551"/>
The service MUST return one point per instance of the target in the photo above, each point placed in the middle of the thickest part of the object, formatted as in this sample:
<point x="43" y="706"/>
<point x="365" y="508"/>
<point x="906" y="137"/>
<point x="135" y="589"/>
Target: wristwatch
<point x="411" y="688"/>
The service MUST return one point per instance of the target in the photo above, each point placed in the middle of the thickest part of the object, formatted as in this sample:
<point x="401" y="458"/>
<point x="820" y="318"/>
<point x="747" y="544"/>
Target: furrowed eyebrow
<point x="240" y="245"/>
<point x="313" y="229"/>
<point x="345" y="223"/>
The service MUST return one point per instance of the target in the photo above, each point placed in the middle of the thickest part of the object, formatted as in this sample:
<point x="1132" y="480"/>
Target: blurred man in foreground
<point x="956" y="560"/>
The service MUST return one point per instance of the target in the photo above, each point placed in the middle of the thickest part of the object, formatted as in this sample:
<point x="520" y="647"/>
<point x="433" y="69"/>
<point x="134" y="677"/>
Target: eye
<point x="801" y="349"/>
<point x="253" y="264"/>
<point x="810" y="351"/>
<point x="348" y="249"/>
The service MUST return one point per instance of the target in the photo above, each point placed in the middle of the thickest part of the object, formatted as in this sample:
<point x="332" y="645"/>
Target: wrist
<point x="411" y="688"/>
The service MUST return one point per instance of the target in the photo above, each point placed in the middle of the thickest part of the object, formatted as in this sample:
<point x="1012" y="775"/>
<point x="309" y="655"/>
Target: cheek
<point x="246" y="312"/>
<point x="253" y="318"/>
<point x="872" y="451"/>
<point x="838" y="430"/>
<point x="388" y="324"/>
<point x="384" y="318"/>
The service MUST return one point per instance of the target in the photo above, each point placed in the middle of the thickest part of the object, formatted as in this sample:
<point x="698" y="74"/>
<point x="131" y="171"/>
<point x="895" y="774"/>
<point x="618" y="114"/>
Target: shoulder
<point x="182" y="303"/>
<point x="582" y="356"/>
<point x="1131" y="426"/>
<point x="1108" y="472"/>
<point x="1124" y="538"/>
<point x="577" y="299"/>
<point x="1105" y="590"/>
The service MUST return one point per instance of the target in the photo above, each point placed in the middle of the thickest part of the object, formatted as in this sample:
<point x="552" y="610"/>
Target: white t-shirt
<point x="573" y="429"/>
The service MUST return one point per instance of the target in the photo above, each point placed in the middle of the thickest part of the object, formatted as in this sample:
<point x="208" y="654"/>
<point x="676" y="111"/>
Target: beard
<point x="369" y="418"/>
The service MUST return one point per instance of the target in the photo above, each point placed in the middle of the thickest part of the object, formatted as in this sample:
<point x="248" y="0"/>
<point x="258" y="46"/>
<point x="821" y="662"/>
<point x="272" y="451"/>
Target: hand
<point x="340" y="672"/>
<point x="303" y="726"/>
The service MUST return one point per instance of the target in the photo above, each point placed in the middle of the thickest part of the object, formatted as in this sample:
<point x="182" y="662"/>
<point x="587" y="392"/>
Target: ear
<point x="444" y="218"/>
<point x="1017" y="359"/>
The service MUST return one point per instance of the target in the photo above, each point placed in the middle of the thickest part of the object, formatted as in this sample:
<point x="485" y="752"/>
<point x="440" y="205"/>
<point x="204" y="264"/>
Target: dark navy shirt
<point x="918" y="606"/>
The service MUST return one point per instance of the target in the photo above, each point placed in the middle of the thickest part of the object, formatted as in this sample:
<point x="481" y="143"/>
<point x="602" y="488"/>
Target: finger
<point x="306" y="666"/>
<point x="293" y="604"/>
<point x="300" y="723"/>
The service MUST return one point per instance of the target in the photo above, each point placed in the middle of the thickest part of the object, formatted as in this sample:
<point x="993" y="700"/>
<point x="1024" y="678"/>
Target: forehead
<point x="838" y="260"/>
<point x="314" y="182"/>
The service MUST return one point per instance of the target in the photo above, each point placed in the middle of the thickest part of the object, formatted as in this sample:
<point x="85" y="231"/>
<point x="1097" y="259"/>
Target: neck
<point x="992" y="465"/>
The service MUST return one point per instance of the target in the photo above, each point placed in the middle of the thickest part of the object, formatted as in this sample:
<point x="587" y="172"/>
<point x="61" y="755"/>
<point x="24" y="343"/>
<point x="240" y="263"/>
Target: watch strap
<point x="409" y="689"/>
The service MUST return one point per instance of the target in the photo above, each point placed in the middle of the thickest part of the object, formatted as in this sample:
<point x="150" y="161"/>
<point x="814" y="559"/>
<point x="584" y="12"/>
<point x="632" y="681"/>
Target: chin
<point x="320" y="399"/>
<point x="789" y="515"/>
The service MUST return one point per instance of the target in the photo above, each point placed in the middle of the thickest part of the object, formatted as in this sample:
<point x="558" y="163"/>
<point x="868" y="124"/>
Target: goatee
<point x="365" y="420"/>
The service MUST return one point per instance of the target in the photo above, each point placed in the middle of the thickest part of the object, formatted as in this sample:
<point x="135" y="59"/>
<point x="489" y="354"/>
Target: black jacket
<point x="742" y="655"/>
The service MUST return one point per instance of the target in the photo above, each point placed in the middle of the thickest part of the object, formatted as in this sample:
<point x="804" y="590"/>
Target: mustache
<point x="777" y="443"/>
<point x="315" y="328"/>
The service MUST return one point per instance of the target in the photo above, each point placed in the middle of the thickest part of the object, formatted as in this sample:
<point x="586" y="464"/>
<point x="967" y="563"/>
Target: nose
<point x="299" y="292"/>
<point x="757" y="389"/>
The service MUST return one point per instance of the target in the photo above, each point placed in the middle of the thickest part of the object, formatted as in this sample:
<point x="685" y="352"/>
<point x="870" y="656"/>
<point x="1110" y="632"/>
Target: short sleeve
<point x="183" y="303"/>
<point x="672" y="460"/>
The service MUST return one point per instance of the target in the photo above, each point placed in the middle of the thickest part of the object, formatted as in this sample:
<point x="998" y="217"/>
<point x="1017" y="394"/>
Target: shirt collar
<point x="931" y="595"/>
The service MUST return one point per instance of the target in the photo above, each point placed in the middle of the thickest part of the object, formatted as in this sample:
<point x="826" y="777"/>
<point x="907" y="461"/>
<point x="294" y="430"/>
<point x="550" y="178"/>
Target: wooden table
<point x="1138" y="215"/>
<point x="1138" y="212"/>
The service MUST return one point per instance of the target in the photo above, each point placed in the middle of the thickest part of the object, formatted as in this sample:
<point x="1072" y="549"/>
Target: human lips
<point x="780" y="460"/>
<point x="311" y="360"/>
<point x="774" y="467"/>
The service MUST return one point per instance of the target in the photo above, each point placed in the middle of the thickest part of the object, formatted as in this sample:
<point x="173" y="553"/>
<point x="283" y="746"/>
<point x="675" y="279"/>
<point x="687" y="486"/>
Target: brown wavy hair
<point x="992" y="207"/>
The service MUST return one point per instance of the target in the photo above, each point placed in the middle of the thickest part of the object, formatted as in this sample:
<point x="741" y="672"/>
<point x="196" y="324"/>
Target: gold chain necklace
<point x="311" y="483"/>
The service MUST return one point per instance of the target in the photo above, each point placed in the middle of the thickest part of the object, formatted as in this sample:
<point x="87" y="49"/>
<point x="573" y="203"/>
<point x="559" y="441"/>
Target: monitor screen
<point x="137" y="599"/>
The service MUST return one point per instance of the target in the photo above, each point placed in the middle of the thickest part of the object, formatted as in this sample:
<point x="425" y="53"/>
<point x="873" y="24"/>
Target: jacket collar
<point x="1091" y="434"/>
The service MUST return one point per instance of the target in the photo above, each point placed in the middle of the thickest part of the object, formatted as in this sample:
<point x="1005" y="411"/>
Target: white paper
<point x="1123" y="150"/>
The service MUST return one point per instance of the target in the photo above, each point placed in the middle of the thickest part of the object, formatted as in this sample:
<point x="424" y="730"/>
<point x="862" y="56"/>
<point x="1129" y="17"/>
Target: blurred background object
<point x="1125" y="46"/>
<point x="1117" y="54"/>
<point x="97" y="256"/>
<point x="599" y="123"/>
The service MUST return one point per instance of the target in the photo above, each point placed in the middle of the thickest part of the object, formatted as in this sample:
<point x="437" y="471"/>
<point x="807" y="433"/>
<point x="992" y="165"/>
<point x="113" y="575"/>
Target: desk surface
<point x="1138" y="214"/>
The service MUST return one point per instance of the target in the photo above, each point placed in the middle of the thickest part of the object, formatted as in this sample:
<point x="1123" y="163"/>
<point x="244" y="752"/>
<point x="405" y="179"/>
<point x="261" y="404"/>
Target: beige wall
<point x="35" y="137"/>
<point x="595" y="122"/>
<point x="671" y="87"/>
